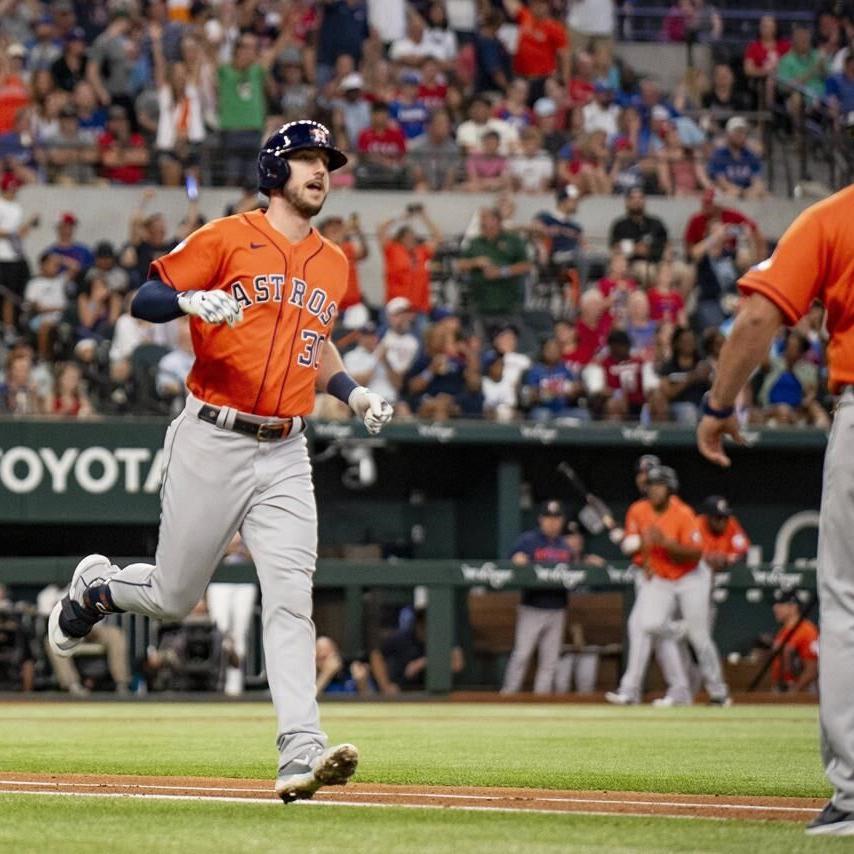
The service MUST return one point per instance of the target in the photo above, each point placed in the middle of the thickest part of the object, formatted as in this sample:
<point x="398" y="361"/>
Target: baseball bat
<point x="596" y="503"/>
<point x="789" y="635"/>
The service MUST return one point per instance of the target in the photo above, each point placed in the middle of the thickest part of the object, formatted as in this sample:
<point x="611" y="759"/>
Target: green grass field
<point x="746" y="750"/>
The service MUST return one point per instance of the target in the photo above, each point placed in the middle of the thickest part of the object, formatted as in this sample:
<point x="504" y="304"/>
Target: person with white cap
<point x="547" y="120"/>
<point x="602" y="113"/>
<point x="734" y="168"/>
<point x="351" y="113"/>
<point x="400" y="343"/>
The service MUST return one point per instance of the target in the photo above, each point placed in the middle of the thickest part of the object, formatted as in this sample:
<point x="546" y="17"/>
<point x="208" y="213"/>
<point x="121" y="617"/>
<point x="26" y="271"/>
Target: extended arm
<point x="755" y="327"/>
<point x="156" y="302"/>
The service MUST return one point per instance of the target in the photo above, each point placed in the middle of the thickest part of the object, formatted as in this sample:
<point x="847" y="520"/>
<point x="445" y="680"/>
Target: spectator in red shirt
<point x="382" y="141"/>
<point x="761" y="56"/>
<point x="350" y="240"/>
<point x="592" y="327"/>
<point x="618" y="383"/>
<point x="543" y="46"/>
<point x="666" y="303"/>
<point x="712" y="211"/>
<point x="124" y="155"/>
<point x="582" y="83"/>
<point x="407" y="260"/>
<point x="382" y="149"/>
<point x="616" y="286"/>
<point x="433" y="87"/>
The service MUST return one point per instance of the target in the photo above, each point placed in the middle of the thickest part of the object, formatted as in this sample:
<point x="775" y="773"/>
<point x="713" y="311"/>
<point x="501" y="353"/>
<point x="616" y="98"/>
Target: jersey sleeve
<point x="739" y="542"/>
<point x="633" y="522"/>
<point x="795" y="274"/>
<point x="806" y="643"/>
<point x="194" y="263"/>
<point x="689" y="531"/>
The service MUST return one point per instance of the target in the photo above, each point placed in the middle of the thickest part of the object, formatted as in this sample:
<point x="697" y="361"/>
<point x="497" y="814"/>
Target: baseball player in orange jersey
<point x="665" y="534"/>
<point x="724" y="540"/>
<point x="814" y="260"/>
<point x="262" y="290"/>
<point x="667" y="650"/>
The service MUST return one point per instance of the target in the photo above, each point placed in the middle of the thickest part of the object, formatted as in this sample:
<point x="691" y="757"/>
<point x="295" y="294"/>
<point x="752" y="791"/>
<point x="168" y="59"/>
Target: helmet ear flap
<point x="273" y="171"/>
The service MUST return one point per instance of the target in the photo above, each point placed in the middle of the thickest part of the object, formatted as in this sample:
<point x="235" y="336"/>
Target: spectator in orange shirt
<point x="350" y="240"/>
<point x="407" y="260"/>
<point x="795" y="669"/>
<point x="543" y="46"/>
<point x="14" y="94"/>
<point x="724" y="540"/>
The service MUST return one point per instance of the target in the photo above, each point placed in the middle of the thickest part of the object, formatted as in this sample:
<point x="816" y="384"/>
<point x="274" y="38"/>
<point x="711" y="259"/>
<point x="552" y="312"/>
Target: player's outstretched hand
<point x="211" y="306"/>
<point x="710" y="438"/>
<point x="371" y="407"/>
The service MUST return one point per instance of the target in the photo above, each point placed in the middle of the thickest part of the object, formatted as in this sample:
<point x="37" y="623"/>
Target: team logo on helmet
<point x="320" y="135"/>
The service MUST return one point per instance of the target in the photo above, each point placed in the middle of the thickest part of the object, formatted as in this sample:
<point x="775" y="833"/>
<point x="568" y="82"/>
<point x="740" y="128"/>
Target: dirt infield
<point x="445" y="797"/>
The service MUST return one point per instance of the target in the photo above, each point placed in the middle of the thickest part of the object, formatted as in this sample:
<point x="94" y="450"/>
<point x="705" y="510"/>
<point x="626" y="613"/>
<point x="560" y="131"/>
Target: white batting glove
<point x="371" y="407"/>
<point x="211" y="306"/>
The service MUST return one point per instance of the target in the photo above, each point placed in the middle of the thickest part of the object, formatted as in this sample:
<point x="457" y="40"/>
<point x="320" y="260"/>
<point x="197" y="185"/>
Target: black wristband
<point x="340" y="385"/>
<point x="707" y="409"/>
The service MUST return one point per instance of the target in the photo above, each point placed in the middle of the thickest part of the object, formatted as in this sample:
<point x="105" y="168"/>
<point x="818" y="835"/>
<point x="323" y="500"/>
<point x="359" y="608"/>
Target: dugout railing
<point x="743" y="596"/>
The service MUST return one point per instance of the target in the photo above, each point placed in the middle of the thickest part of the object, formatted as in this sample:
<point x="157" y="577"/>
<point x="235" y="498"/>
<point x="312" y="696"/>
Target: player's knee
<point x="651" y="624"/>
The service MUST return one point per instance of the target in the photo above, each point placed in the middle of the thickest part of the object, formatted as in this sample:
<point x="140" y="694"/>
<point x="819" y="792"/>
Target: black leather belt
<point x="265" y="432"/>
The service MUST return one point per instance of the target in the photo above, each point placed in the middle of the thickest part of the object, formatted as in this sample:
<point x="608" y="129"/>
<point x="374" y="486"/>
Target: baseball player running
<point x="262" y="290"/>
<point x="814" y="260"/>
<point x="667" y="650"/>
<point x="666" y="536"/>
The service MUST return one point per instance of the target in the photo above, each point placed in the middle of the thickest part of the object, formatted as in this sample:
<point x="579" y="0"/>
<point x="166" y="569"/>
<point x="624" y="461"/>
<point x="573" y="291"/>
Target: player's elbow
<point x="759" y="315"/>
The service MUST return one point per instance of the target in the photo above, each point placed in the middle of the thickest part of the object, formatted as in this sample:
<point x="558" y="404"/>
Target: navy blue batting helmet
<point x="273" y="167"/>
<point x="665" y="475"/>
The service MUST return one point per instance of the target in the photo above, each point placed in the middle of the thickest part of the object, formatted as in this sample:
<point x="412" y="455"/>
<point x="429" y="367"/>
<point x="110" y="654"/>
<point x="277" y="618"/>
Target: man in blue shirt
<point x="67" y="246"/>
<point x="840" y="92"/>
<point x="407" y="109"/>
<point x="541" y="618"/>
<point x="551" y="389"/>
<point x="564" y="233"/>
<point x="734" y="168"/>
<point x="343" y="30"/>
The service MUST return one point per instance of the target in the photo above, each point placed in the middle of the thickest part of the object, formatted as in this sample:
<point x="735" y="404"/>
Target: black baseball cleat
<point x="832" y="822"/>
<point x="301" y="778"/>
<point x="74" y="615"/>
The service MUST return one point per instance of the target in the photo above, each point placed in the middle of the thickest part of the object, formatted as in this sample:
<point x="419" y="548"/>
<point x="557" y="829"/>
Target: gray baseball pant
<point x="656" y="605"/>
<point x="215" y="482"/>
<point x="836" y="593"/>
<point x="641" y="646"/>
<point x="539" y="629"/>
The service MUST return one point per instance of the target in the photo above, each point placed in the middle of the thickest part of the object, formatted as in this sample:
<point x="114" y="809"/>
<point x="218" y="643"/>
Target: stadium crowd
<point x="496" y="97"/>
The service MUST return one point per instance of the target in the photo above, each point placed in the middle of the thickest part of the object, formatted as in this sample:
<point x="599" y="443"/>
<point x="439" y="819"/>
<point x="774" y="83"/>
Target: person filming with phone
<point x="409" y="244"/>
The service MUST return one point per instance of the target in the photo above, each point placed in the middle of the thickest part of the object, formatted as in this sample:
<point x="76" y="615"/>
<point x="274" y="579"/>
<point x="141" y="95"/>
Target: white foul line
<point x="274" y="802"/>
<point x="47" y="789"/>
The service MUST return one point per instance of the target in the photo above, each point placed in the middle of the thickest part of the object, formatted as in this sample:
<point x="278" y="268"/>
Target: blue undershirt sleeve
<point x="156" y="302"/>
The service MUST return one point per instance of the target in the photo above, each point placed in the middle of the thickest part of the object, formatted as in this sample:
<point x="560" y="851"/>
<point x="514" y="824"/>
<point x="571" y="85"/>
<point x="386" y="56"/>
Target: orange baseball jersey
<point x="802" y="645"/>
<point x="638" y="558"/>
<point x="678" y="522"/>
<point x="290" y="293"/>
<point x="814" y="260"/>
<point x="733" y="542"/>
